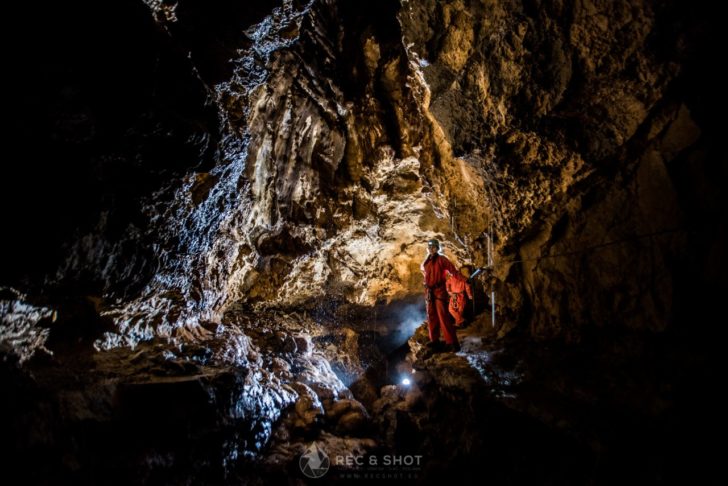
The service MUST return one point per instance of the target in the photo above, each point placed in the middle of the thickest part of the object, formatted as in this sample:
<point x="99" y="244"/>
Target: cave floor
<point x="557" y="413"/>
<point x="540" y="412"/>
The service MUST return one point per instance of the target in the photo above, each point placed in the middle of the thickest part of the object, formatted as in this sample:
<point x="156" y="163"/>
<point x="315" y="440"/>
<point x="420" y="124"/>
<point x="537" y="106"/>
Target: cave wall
<point x="254" y="181"/>
<point x="290" y="153"/>
<point x="316" y="188"/>
<point x="582" y="119"/>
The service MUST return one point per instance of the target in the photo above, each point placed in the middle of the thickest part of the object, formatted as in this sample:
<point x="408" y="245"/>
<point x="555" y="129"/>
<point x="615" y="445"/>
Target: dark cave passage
<point x="217" y="217"/>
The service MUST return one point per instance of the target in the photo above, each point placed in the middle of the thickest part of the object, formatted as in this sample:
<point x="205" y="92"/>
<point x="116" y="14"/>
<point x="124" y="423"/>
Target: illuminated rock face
<point x="322" y="144"/>
<point x="316" y="192"/>
<point x="296" y="155"/>
<point x="319" y="186"/>
<point x="348" y="138"/>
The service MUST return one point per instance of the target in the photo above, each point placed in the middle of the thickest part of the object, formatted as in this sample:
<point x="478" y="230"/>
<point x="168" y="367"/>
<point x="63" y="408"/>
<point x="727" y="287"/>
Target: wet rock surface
<point x="311" y="163"/>
<point x="217" y="219"/>
<point x="188" y="410"/>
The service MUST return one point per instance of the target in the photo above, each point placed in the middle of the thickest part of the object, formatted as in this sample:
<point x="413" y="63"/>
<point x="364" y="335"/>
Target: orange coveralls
<point x="438" y="318"/>
<point x="457" y="286"/>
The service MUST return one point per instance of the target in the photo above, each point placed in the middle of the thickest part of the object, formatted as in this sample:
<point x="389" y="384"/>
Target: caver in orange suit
<point x="457" y="286"/>
<point x="438" y="317"/>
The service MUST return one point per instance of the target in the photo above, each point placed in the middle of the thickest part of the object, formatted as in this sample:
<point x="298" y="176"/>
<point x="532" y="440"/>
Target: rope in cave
<point x="491" y="263"/>
<point x="492" y="196"/>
